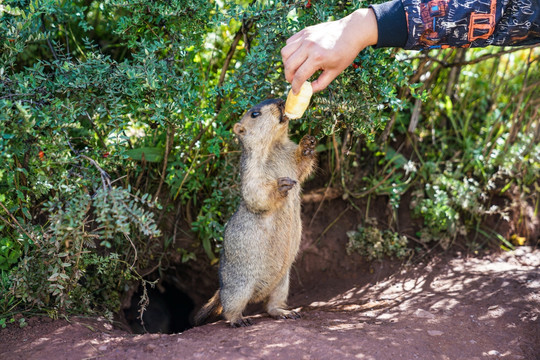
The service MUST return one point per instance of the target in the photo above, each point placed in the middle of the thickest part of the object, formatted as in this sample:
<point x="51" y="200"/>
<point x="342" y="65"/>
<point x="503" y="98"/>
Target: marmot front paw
<point x="285" y="184"/>
<point x="308" y="143"/>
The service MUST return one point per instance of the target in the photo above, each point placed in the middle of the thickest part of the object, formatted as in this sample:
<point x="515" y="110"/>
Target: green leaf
<point x="150" y="154"/>
<point x="208" y="248"/>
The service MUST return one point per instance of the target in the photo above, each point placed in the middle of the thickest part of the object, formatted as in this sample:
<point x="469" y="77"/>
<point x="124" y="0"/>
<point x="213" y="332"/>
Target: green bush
<point x="374" y="244"/>
<point x="477" y="141"/>
<point x="467" y="151"/>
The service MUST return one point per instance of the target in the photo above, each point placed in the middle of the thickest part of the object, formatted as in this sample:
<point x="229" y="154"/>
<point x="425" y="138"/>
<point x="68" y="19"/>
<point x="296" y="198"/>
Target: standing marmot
<point x="263" y="236"/>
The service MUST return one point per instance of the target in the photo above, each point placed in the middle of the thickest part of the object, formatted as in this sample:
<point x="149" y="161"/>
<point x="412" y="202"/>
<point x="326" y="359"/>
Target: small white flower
<point x="410" y="167"/>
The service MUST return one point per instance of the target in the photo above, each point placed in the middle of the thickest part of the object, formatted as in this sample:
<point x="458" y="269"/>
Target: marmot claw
<point x="242" y="322"/>
<point x="287" y="314"/>
<point x="308" y="143"/>
<point x="285" y="184"/>
<point x="293" y="315"/>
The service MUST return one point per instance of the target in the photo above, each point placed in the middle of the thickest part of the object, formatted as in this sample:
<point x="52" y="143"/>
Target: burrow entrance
<point x="168" y="311"/>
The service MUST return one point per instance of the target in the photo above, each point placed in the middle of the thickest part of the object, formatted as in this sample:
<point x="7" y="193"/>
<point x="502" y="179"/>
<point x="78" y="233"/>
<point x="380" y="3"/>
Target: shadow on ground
<point x="455" y="308"/>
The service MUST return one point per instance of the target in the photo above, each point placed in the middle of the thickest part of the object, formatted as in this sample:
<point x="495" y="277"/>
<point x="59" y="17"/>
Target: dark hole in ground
<point x="168" y="311"/>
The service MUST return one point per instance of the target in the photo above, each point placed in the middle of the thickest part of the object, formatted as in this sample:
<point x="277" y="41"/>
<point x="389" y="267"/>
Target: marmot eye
<point x="255" y="114"/>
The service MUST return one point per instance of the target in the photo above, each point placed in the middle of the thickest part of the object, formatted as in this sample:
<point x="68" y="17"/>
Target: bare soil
<point x="457" y="308"/>
<point x="451" y="306"/>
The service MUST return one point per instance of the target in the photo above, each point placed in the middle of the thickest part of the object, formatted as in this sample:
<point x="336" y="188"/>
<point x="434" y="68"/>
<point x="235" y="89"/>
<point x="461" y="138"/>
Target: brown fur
<point x="262" y="238"/>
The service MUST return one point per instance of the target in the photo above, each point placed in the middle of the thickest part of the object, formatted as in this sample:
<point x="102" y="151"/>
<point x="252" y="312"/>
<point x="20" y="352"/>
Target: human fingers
<point x="290" y="49"/>
<point x="303" y="73"/>
<point x="291" y="46"/>
<point x="324" y="79"/>
<point x="296" y="36"/>
<point x="293" y="62"/>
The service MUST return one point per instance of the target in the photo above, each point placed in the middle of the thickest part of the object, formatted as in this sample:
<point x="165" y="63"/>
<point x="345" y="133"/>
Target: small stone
<point x="435" y="332"/>
<point x="493" y="353"/>
<point x="420" y="313"/>
<point x="150" y="347"/>
<point x="102" y="348"/>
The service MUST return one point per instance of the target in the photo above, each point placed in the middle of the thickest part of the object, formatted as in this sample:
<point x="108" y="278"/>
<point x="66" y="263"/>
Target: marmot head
<point x="263" y="123"/>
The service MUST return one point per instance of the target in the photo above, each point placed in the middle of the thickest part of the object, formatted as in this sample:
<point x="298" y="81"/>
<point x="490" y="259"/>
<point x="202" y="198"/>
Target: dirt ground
<point x="448" y="308"/>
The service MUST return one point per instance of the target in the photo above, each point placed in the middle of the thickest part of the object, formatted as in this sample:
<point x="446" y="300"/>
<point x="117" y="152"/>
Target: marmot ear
<point x="239" y="129"/>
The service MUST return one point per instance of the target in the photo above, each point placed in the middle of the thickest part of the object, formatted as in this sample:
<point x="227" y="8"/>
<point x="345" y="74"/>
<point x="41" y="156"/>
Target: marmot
<point x="262" y="238"/>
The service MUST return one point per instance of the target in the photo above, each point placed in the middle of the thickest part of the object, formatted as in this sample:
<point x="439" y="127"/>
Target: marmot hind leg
<point x="277" y="301"/>
<point x="234" y="301"/>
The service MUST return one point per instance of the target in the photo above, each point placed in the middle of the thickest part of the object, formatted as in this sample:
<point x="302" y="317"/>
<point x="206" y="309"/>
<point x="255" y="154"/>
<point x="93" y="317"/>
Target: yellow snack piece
<point x="297" y="104"/>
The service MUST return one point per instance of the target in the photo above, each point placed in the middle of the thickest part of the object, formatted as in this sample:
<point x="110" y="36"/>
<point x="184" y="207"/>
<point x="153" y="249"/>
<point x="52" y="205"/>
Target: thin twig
<point x="168" y="145"/>
<point x="19" y="225"/>
<point x="120" y="178"/>
<point x="142" y="167"/>
<point x="96" y="130"/>
<point x="332" y="224"/>
<point x="199" y="135"/>
<point x="15" y="95"/>
<point x="105" y="178"/>
<point x="416" y="241"/>
<point x="7" y="222"/>
<point x="44" y="29"/>
<point x="134" y="249"/>
<point x="320" y="204"/>
<point x="243" y="30"/>
<point x="187" y="174"/>
<point x="370" y="190"/>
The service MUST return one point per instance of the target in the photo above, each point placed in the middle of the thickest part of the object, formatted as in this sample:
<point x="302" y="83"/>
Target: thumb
<point x="326" y="77"/>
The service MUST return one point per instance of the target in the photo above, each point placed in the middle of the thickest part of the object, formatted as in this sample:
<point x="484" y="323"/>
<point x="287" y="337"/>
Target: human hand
<point x="329" y="46"/>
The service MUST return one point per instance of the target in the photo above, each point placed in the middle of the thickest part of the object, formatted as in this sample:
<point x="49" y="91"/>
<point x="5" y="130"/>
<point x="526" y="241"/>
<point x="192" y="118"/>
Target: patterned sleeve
<point x="471" y="23"/>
